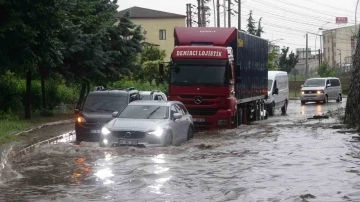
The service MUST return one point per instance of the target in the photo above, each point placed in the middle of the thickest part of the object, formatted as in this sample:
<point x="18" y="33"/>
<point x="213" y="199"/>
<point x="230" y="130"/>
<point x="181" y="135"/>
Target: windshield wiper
<point x="107" y="110"/>
<point x="152" y="112"/>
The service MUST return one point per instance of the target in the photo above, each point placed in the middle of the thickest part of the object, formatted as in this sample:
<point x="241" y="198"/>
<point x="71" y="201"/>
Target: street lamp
<point x="321" y="51"/>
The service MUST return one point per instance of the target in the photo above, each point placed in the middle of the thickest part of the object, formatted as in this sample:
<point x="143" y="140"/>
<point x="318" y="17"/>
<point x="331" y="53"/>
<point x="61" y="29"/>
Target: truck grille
<point x="133" y="134"/>
<point x="202" y="111"/>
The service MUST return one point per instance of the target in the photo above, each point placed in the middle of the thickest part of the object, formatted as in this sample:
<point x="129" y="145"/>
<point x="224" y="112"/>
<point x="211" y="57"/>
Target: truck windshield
<point x="199" y="74"/>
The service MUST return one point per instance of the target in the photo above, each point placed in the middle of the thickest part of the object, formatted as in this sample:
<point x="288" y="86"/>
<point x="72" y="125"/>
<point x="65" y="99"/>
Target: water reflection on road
<point x="259" y="162"/>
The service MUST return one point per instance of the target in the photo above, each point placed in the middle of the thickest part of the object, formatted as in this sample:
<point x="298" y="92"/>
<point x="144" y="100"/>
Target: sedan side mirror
<point x="76" y="111"/>
<point x="114" y="114"/>
<point x="328" y="85"/>
<point x="177" y="116"/>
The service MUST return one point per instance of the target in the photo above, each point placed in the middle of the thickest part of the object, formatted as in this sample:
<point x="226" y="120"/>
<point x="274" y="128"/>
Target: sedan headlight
<point x="158" y="132"/>
<point x="320" y="91"/>
<point x="105" y="131"/>
<point x="302" y="92"/>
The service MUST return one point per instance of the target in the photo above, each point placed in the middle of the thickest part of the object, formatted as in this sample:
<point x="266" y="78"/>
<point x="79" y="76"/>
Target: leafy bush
<point x="13" y="93"/>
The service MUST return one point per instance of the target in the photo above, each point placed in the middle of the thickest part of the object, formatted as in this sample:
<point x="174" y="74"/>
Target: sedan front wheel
<point x="168" y="140"/>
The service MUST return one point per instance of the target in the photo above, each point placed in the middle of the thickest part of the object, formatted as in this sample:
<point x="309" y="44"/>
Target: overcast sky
<point x="282" y="19"/>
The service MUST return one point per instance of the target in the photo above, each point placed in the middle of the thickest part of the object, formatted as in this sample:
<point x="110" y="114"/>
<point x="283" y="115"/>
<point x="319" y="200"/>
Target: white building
<point x="301" y="52"/>
<point x="339" y="45"/>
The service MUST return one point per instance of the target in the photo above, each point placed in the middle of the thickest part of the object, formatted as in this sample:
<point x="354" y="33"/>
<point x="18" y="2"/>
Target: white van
<point x="278" y="92"/>
<point x="321" y="90"/>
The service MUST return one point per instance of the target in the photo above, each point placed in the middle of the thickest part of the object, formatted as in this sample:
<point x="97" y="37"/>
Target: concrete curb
<point x="43" y="125"/>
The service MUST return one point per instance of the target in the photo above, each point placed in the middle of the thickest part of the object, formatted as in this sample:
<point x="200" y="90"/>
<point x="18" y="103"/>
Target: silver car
<point x="321" y="90"/>
<point x="149" y="123"/>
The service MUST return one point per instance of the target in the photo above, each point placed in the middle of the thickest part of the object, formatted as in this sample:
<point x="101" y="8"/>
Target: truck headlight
<point x="105" y="131"/>
<point x="158" y="132"/>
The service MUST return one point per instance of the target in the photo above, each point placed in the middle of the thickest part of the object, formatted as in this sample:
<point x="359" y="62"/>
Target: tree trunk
<point x="82" y="94"/>
<point x="352" y="110"/>
<point x="43" y="94"/>
<point x="28" y="96"/>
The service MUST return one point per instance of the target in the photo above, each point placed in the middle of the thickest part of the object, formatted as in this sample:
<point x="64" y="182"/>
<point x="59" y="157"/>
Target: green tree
<point x="151" y="57"/>
<point x="251" y="27"/>
<point x="259" y="30"/>
<point x="271" y="61"/>
<point x="325" y="70"/>
<point x="287" y="61"/>
<point x="28" y="36"/>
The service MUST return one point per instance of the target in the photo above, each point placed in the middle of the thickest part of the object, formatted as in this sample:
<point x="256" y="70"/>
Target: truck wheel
<point x="240" y="116"/>
<point x="257" y="111"/>
<point x="272" y="109"/>
<point x="284" y="108"/>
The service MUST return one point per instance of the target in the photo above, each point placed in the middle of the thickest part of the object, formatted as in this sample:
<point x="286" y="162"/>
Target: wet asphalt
<point x="284" y="158"/>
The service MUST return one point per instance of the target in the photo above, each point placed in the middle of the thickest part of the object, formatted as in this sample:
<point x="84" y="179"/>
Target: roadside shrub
<point x="47" y="113"/>
<point x="13" y="93"/>
<point x="141" y="86"/>
<point x="10" y="97"/>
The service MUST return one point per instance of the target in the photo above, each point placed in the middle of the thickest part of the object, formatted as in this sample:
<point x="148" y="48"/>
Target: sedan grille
<point x="129" y="134"/>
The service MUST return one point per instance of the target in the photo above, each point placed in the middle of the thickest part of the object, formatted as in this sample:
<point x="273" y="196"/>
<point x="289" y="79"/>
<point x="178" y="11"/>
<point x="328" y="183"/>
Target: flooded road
<point x="285" y="158"/>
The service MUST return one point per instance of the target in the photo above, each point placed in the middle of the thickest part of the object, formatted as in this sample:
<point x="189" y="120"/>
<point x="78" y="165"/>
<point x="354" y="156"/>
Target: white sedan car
<point x="149" y="123"/>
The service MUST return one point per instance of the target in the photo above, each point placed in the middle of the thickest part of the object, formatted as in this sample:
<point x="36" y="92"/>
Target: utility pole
<point x="306" y="58"/>
<point x="340" y="61"/>
<point x="218" y="12"/>
<point x="187" y="15"/>
<point x="239" y="15"/>
<point x="203" y="14"/>
<point x="199" y="13"/>
<point x="319" y="57"/>
<point x="229" y="13"/>
<point x="321" y="50"/>
<point x="224" y="6"/>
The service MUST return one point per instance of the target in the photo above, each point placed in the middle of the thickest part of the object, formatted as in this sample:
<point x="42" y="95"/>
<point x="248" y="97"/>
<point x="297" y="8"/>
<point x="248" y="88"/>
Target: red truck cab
<point x="202" y="78"/>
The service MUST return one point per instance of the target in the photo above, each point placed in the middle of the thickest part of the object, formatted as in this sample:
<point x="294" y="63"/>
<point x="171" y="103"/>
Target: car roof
<point x="154" y="102"/>
<point x="149" y="92"/>
<point x="324" y="78"/>
<point x="111" y="92"/>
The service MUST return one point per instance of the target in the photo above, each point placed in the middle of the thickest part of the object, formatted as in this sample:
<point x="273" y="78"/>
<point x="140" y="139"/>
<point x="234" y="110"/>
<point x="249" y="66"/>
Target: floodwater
<point x="285" y="158"/>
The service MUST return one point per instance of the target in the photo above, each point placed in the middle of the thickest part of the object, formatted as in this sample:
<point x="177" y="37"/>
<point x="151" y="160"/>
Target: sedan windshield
<point x="314" y="82"/>
<point x="199" y="74"/>
<point x="105" y="104"/>
<point x="145" y="112"/>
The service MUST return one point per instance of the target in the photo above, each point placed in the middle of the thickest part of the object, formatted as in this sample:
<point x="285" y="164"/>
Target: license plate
<point x="128" y="142"/>
<point x="95" y="131"/>
<point x="198" y="120"/>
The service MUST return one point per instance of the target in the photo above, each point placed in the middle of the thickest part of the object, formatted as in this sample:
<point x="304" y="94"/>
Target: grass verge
<point x="13" y="125"/>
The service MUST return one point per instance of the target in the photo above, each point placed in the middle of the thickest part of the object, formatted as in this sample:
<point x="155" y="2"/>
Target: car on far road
<point x="152" y="95"/>
<point x="149" y="123"/>
<point x="321" y="90"/>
